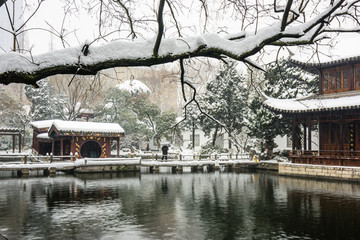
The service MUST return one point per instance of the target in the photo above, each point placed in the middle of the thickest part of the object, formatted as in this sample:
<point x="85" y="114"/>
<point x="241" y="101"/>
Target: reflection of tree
<point x="227" y="214"/>
<point x="152" y="206"/>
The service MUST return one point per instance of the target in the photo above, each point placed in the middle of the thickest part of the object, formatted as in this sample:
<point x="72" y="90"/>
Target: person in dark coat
<point x="164" y="150"/>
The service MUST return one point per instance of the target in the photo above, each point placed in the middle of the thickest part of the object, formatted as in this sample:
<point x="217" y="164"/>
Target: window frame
<point x="330" y="79"/>
<point x="356" y="66"/>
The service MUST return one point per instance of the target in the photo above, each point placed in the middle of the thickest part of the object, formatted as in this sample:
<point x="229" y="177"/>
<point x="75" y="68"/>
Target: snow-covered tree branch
<point x="298" y="23"/>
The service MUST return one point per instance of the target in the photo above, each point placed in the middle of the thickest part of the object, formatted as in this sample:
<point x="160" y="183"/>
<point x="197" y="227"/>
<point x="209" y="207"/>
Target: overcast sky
<point x="52" y="12"/>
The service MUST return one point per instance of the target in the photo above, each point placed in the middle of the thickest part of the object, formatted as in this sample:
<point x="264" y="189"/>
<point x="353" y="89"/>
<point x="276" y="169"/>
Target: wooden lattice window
<point x="336" y="80"/>
<point x="357" y="76"/>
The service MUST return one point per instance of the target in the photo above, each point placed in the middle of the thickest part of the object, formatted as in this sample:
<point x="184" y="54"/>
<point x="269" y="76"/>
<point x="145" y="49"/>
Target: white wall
<point x="282" y="142"/>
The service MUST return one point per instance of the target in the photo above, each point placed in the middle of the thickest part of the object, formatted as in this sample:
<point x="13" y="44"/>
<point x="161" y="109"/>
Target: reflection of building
<point x="86" y="139"/>
<point x="335" y="112"/>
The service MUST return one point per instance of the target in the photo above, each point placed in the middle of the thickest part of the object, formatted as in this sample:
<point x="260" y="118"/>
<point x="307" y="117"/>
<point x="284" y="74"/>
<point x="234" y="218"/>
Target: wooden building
<point x="86" y="139"/>
<point x="334" y="112"/>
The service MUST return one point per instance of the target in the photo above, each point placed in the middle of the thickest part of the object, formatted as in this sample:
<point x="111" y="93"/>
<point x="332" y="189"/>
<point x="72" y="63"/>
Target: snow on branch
<point x="288" y="30"/>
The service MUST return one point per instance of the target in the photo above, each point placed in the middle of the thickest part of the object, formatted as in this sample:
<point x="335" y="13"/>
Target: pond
<point x="217" y="205"/>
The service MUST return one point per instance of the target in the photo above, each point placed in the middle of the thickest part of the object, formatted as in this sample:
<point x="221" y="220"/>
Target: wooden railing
<point x="326" y="157"/>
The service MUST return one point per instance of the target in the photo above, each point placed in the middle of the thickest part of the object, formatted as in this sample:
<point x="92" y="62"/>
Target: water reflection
<point x="216" y="205"/>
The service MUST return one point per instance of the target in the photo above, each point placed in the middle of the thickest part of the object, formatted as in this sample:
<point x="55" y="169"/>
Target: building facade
<point x="84" y="139"/>
<point x="334" y="112"/>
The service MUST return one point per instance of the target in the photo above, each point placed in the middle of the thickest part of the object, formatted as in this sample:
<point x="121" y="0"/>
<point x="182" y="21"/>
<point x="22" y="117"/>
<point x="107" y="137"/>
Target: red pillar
<point x="19" y="142"/>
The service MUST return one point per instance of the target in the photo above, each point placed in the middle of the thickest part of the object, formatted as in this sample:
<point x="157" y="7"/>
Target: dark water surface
<point x="220" y="205"/>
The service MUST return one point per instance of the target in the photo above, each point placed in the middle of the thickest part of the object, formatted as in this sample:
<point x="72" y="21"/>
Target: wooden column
<point x="13" y="145"/>
<point x="293" y="134"/>
<point x="19" y="142"/>
<point x="52" y="147"/>
<point x="309" y="134"/>
<point x="341" y="134"/>
<point x="321" y="146"/>
<point x="304" y="125"/>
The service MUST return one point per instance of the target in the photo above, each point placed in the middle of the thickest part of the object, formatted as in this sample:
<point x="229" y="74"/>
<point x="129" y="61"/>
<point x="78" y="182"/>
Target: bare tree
<point x="149" y="32"/>
<point x="295" y="23"/>
<point x="15" y="11"/>
<point x="81" y="93"/>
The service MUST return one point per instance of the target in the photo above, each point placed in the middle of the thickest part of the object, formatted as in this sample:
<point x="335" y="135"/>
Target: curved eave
<point x="344" y="101"/>
<point x="315" y="67"/>
<point x="319" y="110"/>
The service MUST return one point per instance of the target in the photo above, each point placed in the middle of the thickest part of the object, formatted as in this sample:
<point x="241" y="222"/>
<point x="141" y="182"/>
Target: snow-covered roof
<point x="43" y="136"/>
<point x="332" y="63"/>
<point x="133" y="86"/>
<point x="315" y="103"/>
<point x="78" y="126"/>
<point x="88" y="127"/>
<point x="9" y="129"/>
<point x="42" y="123"/>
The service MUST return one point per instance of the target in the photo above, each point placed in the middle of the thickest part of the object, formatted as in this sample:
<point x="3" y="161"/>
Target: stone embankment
<point x="136" y="163"/>
<point x="320" y="171"/>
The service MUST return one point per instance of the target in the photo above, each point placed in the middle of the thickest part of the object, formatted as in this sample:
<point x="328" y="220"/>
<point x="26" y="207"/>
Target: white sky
<point x="52" y="12"/>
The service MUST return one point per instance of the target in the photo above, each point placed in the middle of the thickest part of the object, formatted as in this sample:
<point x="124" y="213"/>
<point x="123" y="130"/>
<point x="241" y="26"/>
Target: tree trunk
<point x="193" y="135"/>
<point x="229" y="141"/>
<point x="215" y="136"/>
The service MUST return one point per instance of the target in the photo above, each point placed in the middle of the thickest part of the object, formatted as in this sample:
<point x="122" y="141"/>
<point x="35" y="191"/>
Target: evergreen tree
<point x="116" y="109"/>
<point x="225" y="99"/>
<point x="158" y="124"/>
<point x="46" y="103"/>
<point x="192" y="121"/>
<point x="141" y="119"/>
<point x="13" y="114"/>
<point x="282" y="80"/>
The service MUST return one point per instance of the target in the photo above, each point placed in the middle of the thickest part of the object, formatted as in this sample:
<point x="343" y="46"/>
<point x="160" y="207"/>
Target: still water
<point x="220" y="205"/>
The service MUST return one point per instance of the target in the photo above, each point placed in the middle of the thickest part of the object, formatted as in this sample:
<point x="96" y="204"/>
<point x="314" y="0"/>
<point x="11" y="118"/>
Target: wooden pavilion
<point x="334" y="112"/>
<point x="5" y="131"/>
<point x="86" y="139"/>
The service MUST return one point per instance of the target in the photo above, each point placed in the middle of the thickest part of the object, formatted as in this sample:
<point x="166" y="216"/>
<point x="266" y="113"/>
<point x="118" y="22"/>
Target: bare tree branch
<point x="174" y="18"/>
<point x="284" y="21"/>
<point x="239" y="46"/>
<point x="160" y="27"/>
<point x="132" y="32"/>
